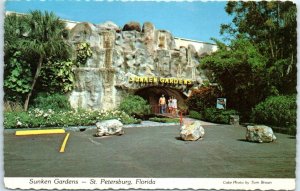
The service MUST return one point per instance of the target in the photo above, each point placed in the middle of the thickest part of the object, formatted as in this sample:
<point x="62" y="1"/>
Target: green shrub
<point x="279" y="111"/>
<point x="17" y="77"/>
<point x="165" y="120"/>
<point x="218" y="115"/>
<point x="83" y="53"/>
<point x="134" y="105"/>
<point x="195" y="115"/>
<point x="13" y="119"/>
<point x="56" y="102"/>
<point x="37" y="118"/>
<point x="56" y="77"/>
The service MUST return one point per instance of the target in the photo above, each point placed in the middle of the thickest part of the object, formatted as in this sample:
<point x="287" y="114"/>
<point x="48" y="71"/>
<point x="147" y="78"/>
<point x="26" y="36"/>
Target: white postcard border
<point x="151" y="183"/>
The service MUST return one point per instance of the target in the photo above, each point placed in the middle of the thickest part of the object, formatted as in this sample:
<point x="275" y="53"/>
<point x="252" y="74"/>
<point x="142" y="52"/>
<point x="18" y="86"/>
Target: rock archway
<point x="152" y="95"/>
<point x="127" y="60"/>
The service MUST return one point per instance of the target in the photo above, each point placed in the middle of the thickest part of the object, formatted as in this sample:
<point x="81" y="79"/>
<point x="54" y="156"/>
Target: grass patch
<point x="195" y="115"/>
<point x="165" y="120"/>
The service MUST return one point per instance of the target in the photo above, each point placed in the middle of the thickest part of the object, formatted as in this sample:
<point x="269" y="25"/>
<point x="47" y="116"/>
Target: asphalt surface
<point x="150" y="152"/>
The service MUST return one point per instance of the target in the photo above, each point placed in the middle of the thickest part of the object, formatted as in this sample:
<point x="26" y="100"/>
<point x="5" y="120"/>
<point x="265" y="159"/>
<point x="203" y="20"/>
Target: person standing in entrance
<point x="162" y="104"/>
<point x="174" y="105"/>
<point x="170" y="104"/>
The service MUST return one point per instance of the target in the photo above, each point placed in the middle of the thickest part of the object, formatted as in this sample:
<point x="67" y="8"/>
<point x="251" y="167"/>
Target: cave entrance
<point x="152" y="95"/>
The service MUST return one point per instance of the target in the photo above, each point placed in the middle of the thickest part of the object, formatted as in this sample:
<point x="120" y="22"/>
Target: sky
<point x="192" y="20"/>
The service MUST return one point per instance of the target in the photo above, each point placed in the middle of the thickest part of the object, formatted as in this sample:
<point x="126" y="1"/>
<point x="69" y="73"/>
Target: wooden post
<point x="181" y="121"/>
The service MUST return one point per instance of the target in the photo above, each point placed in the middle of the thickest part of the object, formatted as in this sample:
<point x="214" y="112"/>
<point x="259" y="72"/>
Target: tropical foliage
<point x="276" y="110"/>
<point x="17" y="77"/>
<point x="55" y="102"/>
<point x="45" y="31"/>
<point x="57" y="76"/>
<point x="31" y="41"/>
<point x="134" y="105"/>
<point x="214" y="115"/>
<point x="218" y="115"/>
<point x="38" y="118"/>
<point x="272" y="27"/>
<point x="240" y="70"/>
<point x="17" y="69"/>
<point x="195" y="114"/>
<point x="202" y="98"/>
<point x="15" y="32"/>
<point x="164" y="120"/>
<point x="83" y="53"/>
<point x="259" y="59"/>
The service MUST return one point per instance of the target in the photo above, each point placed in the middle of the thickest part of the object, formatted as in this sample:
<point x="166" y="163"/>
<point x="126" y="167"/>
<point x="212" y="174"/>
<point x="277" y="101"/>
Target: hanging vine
<point x="83" y="53"/>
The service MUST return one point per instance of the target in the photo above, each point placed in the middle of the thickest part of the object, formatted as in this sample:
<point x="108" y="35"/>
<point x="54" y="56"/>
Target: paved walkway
<point x="150" y="124"/>
<point x="186" y="119"/>
<point x="189" y="120"/>
<point x="156" y="124"/>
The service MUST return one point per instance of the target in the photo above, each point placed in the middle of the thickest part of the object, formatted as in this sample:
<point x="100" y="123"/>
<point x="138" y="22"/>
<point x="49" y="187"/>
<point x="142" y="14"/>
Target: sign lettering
<point x="161" y="80"/>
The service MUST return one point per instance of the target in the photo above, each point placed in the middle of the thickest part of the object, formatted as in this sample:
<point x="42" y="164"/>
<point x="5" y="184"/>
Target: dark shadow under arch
<point x="153" y="93"/>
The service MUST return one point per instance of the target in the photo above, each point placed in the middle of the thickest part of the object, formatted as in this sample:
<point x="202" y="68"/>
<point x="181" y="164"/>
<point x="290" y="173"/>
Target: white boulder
<point x="260" y="134"/>
<point x="192" y="132"/>
<point x="109" y="127"/>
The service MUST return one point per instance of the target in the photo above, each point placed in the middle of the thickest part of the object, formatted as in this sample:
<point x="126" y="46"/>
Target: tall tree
<point x="260" y="59"/>
<point x="272" y="27"/>
<point x="44" y="40"/>
<point x="240" y="71"/>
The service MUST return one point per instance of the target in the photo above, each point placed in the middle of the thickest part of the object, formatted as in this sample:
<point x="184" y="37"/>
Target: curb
<point x="150" y="124"/>
<point x="83" y="128"/>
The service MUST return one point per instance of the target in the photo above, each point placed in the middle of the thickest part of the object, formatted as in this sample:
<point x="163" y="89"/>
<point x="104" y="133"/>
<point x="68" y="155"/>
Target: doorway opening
<point x="152" y="95"/>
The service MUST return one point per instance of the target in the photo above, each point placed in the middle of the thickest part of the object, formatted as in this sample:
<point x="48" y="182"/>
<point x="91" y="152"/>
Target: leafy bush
<point x="12" y="119"/>
<point x="56" y="102"/>
<point x="203" y="98"/>
<point x="276" y="110"/>
<point x="195" y="115"/>
<point x="217" y="115"/>
<point x="17" y="77"/>
<point x="164" y="120"/>
<point x="83" y="53"/>
<point x="134" y="105"/>
<point x="48" y="118"/>
<point x="57" y="76"/>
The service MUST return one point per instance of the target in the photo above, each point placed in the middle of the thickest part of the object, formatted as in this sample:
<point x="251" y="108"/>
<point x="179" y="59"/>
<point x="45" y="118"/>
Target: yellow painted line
<point x="40" y="132"/>
<point x="62" y="149"/>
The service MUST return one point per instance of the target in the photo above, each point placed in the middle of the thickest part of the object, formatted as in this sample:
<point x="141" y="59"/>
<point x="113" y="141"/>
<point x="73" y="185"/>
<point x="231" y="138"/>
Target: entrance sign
<point x="221" y="103"/>
<point x="161" y="80"/>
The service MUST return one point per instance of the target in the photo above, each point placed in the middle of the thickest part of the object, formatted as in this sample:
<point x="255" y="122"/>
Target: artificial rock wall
<point x="119" y="54"/>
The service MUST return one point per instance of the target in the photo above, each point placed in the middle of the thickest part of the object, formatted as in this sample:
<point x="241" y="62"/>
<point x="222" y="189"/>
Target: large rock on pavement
<point x="109" y="127"/>
<point x="260" y="134"/>
<point x="192" y="132"/>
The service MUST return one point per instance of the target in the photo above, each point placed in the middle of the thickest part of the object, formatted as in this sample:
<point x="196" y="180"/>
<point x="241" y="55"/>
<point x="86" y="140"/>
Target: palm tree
<point x="14" y="30"/>
<point x="44" y="40"/>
